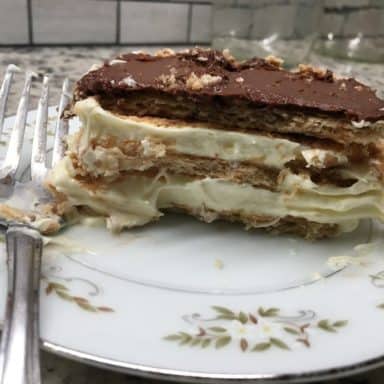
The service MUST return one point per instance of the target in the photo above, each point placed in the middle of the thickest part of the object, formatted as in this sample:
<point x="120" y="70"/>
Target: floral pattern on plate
<point x="63" y="292"/>
<point x="254" y="331"/>
<point x="378" y="281"/>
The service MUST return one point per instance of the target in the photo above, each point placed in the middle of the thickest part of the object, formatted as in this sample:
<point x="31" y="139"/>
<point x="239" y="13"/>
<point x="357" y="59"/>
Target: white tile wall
<point x="370" y="21"/>
<point x="273" y="18"/>
<point x="163" y="21"/>
<point x="350" y="3"/>
<point x="13" y="22"/>
<point x="153" y="22"/>
<point x="201" y="23"/>
<point x="239" y="20"/>
<point x="333" y="23"/>
<point x="74" y="21"/>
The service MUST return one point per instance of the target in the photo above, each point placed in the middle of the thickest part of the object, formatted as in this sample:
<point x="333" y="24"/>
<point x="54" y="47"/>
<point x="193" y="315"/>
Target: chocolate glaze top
<point x="208" y="73"/>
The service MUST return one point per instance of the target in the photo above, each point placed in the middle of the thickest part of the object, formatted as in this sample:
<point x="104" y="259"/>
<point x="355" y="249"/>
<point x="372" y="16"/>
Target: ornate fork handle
<point x="19" y="349"/>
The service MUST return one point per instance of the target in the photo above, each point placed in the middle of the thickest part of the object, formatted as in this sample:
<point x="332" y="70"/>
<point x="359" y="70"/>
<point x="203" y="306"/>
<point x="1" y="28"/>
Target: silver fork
<point x="19" y="348"/>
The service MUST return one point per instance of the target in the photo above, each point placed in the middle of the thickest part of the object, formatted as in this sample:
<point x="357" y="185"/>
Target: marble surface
<point x="72" y="63"/>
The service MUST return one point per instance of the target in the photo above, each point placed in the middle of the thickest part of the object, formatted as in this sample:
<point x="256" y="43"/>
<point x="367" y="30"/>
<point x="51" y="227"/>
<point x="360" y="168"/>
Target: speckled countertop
<point x="73" y="62"/>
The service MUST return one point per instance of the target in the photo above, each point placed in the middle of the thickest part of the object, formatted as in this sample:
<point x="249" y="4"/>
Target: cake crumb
<point x="116" y="61"/>
<point x="227" y="55"/>
<point x="94" y="67"/>
<point x="239" y="80"/>
<point x="152" y="149"/>
<point x="196" y="83"/>
<point x="197" y="51"/>
<point x="365" y="249"/>
<point x="339" y="262"/>
<point x="275" y="61"/>
<point x="317" y="72"/>
<point x="219" y="264"/>
<point x="317" y="276"/>
<point x="166" y="52"/>
<point x="168" y="81"/>
<point x="360" y="124"/>
<point x="130" y="81"/>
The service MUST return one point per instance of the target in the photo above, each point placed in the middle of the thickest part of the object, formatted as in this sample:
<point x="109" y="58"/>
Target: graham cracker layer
<point x="309" y="230"/>
<point x="238" y="115"/>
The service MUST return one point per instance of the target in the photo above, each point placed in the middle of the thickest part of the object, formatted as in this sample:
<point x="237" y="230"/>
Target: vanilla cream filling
<point x="318" y="158"/>
<point x="197" y="140"/>
<point x="136" y="200"/>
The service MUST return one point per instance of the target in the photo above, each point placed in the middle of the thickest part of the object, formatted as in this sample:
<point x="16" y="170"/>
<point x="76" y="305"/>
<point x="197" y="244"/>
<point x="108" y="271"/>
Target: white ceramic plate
<point x="185" y="300"/>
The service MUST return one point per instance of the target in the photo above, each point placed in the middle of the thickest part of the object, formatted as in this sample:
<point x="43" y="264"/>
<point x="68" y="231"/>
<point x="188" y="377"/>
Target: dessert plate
<point x="187" y="301"/>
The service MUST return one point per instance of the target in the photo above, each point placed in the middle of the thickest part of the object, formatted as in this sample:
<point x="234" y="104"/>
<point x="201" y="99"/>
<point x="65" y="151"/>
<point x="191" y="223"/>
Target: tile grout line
<point x="118" y="22"/>
<point x="87" y="44"/>
<point x="30" y="21"/>
<point x="198" y="2"/>
<point x="189" y="25"/>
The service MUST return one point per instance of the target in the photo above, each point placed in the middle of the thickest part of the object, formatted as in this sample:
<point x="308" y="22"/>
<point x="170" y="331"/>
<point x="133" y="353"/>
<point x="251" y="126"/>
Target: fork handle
<point x="19" y="348"/>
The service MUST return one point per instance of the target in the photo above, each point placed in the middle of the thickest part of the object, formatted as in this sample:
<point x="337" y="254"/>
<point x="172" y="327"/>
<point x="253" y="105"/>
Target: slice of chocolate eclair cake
<point x="196" y="131"/>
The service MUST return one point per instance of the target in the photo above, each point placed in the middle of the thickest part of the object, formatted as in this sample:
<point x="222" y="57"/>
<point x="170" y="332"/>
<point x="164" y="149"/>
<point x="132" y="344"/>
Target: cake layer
<point x="108" y="146"/>
<point x="200" y="140"/>
<point x="239" y="115"/>
<point x="197" y="131"/>
<point x="285" y="225"/>
<point x="206" y="85"/>
<point x="159" y="137"/>
<point x="260" y="82"/>
<point x="106" y="164"/>
<point x="139" y="198"/>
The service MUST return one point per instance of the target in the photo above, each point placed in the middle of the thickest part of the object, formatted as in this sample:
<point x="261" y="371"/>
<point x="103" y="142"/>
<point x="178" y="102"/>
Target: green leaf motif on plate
<point x="291" y="331"/>
<point x="328" y="326"/>
<point x="255" y="331"/>
<point x="378" y="281"/>
<point x="269" y="312"/>
<point x="243" y="318"/>
<point x="340" y="323"/>
<point x="222" y="341"/>
<point x="223" y="311"/>
<point x="172" y="337"/>
<point x="63" y="292"/>
<point x="278" y="343"/>
<point x="261" y="347"/>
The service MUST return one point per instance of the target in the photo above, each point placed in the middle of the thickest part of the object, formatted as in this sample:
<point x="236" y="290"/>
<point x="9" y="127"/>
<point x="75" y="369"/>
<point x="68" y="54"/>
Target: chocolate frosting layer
<point x="205" y="74"/>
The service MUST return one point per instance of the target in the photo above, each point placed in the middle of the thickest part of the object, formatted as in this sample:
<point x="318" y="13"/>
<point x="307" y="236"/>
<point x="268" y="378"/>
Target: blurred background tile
<point x="154" y="22"/>
<point x="332" y="23"/>
<point x="163" y="21"/>
<point x="240" y="20"/>
<point x="368" y="20"/>
<point x="349" y="3"/>
<point x="201" y="23"/>
<point x="73" y="21"/>
<point x="265" y="18"/>
<point x="13" y="22"/>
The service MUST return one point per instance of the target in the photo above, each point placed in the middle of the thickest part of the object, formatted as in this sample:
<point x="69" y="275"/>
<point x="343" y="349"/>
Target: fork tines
<point x="12" y="158"/>
<point x="61" y="124"/>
